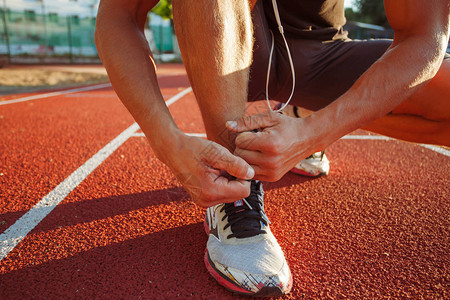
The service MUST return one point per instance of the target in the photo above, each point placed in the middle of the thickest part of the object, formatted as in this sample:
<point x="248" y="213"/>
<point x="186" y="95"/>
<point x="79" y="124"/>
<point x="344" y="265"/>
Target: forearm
<point x="400" y="72"/>
<point x="127" y="58"/>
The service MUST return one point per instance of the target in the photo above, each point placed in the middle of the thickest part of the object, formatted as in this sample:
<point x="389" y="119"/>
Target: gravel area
<point x="21" y="79"/>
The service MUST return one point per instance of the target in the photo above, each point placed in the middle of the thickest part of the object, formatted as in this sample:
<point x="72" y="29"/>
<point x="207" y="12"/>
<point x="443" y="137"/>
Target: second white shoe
<point x="315" y="165"/>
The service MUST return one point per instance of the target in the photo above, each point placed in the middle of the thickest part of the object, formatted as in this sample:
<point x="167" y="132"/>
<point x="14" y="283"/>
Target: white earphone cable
<point x="280" y="28"/>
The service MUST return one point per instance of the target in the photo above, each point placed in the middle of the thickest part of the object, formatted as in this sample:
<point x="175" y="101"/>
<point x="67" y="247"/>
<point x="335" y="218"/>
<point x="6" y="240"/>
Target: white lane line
<point x="437" y="149"/>
<point x="178" y="96"/>
<point x="19" y="230"/>
<point x="96" y="96"/>
<point x="366" y="137"/>
<point x="347" y="137"/>
<point x="52" y="94"/>
<point x="203" y="135"/>
<point x="186" y="91"/>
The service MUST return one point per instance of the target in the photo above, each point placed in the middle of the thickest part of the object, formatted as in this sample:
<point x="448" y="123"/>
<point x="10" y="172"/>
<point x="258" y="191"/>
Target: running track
<point x="87" y="211"/>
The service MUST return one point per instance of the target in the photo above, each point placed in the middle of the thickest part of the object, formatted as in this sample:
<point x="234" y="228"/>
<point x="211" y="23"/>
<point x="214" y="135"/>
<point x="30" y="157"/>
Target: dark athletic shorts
<point x="324" y="70"/>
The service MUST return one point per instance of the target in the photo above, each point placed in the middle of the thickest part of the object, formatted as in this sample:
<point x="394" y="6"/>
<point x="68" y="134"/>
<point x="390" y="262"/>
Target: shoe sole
<point x="267" y="291"/>
<point x="304" y="173"/>
<point x="305" y="168"/>
<point x="232" y="286"/>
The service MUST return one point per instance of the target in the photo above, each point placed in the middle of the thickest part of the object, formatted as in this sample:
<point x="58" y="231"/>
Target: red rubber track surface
<point x="377" y="226"/>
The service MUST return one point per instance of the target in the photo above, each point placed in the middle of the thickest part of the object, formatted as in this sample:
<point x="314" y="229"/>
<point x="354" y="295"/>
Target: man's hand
<point x="204" y="168"/>
<point x="276" y="146"/>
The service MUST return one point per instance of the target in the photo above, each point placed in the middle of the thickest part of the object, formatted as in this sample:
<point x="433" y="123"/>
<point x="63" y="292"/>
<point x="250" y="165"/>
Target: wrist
<point x="312" y="133"/>
<point x="165" y="142"/>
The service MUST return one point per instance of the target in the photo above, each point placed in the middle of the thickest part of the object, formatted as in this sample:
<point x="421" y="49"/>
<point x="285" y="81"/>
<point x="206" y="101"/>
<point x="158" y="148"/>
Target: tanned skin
<point x="196" y="162"/>
<point x="410" y="80"/>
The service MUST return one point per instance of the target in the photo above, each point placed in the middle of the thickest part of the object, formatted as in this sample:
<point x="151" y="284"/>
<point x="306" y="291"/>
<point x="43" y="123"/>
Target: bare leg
<point x="424" y="117"/>
<point x="215" y="39"/>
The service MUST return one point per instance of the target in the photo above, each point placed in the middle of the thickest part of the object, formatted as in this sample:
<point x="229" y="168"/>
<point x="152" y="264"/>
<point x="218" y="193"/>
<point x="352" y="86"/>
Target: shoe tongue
<point x="246" y="221"/>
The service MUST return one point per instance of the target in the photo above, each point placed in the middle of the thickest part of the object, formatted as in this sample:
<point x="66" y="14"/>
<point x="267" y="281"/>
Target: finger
<point x="225" y="191"/>
<point x="232" y="190"/>
<point x="247" y="123"/>
<point x="259" y="172"/>
<point x="256" y="141"/>
<point x="261" y="163"/>
<point x="251" y="157"/>
<point x="234" y="165"/>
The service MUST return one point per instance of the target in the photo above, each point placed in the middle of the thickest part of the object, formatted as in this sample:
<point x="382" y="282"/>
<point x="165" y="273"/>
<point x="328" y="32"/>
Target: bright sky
<point x="348" y="3"/>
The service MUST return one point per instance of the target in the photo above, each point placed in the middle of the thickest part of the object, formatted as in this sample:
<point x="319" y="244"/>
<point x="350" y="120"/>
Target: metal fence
<point x="357" y="30"/>
<point x="38" y="31"/>
<point x="62" y="31"/>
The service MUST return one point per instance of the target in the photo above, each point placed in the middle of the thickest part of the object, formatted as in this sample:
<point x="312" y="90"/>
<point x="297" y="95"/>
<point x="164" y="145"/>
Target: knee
<point x="436" y="132"/>
<point x="440" y="135"/>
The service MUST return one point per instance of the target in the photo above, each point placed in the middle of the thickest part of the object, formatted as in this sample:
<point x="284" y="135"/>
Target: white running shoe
<point x="242" y="254"/>
<point x="313" y="166"/>
<point x="316" y="164"/>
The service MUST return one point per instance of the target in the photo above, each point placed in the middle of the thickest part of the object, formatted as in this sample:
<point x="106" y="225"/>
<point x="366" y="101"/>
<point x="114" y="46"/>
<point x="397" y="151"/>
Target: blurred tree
<point x="164" y="9"/>
<point x="373" y="10"/>
<point x="352" y="15"/>
<point x="368" y="11"/>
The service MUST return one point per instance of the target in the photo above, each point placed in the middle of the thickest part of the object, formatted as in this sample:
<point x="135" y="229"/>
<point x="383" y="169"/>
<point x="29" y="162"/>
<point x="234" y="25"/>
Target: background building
<point x="62" y="31"/>
<point x="48" y="30"/>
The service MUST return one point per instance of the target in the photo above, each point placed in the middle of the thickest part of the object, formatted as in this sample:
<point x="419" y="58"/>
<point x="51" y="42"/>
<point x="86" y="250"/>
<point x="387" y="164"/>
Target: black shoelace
<point x="245" y="220"/>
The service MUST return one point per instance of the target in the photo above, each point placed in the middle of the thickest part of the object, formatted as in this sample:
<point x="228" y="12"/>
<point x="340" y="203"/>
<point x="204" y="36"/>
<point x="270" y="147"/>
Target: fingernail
<point x="250" y="173"/>
<point x="232" y="124"/>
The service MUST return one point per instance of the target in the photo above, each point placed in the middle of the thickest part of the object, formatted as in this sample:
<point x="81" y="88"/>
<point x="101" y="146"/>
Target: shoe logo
<point x="213" y="225"/>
